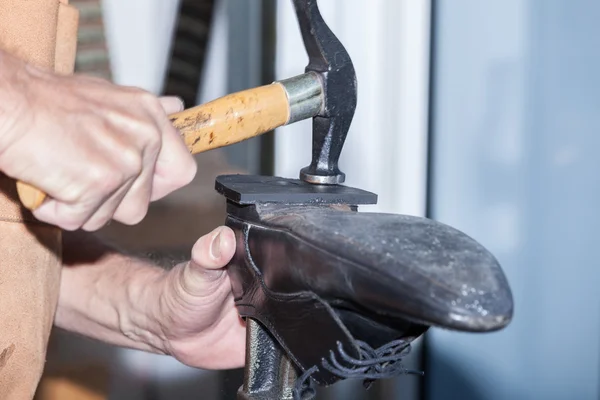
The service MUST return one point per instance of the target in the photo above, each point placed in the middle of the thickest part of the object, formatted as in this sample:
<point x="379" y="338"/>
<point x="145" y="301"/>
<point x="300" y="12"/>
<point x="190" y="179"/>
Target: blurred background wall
<point x="481" y="114"/>
<point x="515" y="139"/>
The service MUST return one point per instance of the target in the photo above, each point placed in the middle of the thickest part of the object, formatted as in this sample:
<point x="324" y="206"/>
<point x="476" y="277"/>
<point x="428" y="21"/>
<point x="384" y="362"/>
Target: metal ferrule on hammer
<point x="305" y="95"/>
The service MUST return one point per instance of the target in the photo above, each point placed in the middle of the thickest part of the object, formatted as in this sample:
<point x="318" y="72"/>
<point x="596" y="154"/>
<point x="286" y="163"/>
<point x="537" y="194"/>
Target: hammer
<point x="326" y="92"/>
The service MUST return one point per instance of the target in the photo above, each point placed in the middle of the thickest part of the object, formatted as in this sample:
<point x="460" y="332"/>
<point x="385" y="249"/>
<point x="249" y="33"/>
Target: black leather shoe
<point x="326" y="280"/>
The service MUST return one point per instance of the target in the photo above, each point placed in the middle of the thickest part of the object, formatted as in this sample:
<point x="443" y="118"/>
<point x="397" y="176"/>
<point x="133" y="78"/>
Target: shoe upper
<point x="383" y="265"/>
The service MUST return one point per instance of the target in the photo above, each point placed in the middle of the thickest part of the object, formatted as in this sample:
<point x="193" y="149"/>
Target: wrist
<point x="109" y="296"/>
<point x="140" y="319"/>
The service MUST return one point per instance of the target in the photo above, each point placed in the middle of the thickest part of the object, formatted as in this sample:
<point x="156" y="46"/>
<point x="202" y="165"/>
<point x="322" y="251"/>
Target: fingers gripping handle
<point x="222" y="122"/>
<point x="232" y="119"/>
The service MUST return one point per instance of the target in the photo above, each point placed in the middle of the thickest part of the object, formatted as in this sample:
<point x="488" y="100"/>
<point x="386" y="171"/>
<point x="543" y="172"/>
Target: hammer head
<point x="330" y="60"/>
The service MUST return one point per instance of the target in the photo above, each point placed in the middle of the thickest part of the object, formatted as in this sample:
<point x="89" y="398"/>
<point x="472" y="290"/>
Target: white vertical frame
<point x="138" y="34"/>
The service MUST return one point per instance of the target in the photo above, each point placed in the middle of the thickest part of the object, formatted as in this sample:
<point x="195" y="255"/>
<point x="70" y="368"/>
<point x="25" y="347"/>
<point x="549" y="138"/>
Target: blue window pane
<point x="516" y="165"/>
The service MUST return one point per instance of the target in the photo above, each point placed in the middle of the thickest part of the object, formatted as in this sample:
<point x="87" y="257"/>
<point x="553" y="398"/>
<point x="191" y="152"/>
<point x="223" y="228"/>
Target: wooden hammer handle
<point x="30" y="196"/>
<point x="221" y="122"/>
<point x="233" y="118"/>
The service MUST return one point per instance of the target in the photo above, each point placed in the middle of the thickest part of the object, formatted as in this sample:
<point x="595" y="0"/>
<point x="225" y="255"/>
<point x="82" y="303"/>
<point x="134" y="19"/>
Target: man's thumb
<point x="210" y="254"/>
<point x="214" y="250"/>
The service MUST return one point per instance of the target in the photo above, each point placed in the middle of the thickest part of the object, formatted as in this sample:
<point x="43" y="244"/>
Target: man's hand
<point x="199" y="324"/>
<point x="100" y="151"/>
<point x="187" y="312"/>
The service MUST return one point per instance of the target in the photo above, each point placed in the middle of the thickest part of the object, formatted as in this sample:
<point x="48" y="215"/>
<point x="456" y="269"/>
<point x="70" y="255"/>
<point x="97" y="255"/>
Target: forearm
<point x="109" y="296"/>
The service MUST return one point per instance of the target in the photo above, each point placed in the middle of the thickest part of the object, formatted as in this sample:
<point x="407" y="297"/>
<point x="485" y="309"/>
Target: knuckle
<point x="138" y="216"/>
<point x="182" y="170"/>
<point x="132" y="209"/>
<point x="143" y="123"/>
<point x="150" y="102"/>
<point x="72" y="193"/>
<point x="131" y="163"/>
<point x="70" y="218"/>
<point x="188" y="172"/>
<point x="134" y="215"/>
<point x="153" y="142"/>
<point x="147" y="134"/>
<point x="69" y="226"/>
<point x="104" y="178"/>
<point x="97" y="224"/>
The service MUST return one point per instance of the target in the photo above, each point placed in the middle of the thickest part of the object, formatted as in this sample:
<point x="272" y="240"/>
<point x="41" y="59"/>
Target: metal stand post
<point x="269" y="374"/>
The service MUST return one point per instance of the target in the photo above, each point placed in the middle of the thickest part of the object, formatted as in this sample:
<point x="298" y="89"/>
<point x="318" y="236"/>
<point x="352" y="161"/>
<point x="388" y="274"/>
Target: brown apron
<point x="44" y="33"/>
